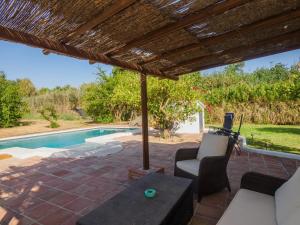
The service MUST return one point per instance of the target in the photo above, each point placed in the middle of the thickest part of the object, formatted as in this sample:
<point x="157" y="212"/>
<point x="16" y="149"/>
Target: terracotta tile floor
<point x="59" y="191"/>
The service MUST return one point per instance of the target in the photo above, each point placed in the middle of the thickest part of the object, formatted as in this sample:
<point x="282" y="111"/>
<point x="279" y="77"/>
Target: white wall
<point x="191" y="126"/>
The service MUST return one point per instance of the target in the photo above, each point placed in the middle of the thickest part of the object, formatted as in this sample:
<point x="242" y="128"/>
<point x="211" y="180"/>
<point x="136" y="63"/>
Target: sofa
<point x="265" y="200"/>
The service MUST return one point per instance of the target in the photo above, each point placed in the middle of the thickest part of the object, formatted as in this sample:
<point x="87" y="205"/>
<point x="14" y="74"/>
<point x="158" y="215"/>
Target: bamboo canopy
<point x="165" y="38"/>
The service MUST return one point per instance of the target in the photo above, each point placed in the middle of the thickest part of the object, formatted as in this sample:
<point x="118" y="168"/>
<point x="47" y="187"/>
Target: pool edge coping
<point x="65" y="131"/>
<point x="105" y="139"/>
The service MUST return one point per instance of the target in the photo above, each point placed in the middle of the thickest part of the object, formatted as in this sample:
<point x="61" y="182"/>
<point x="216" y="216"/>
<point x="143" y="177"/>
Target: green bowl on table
<point x="150" y="193"/>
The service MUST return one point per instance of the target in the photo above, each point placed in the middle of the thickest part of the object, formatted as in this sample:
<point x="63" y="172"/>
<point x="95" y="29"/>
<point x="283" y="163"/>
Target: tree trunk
<point x="165" y="133"/>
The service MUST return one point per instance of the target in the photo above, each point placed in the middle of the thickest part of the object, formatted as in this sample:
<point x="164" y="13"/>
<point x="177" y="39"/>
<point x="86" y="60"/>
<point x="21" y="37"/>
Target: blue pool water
<point x="59" y="140"/>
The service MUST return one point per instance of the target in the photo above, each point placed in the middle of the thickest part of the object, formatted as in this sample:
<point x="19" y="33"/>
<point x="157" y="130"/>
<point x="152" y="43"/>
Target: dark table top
<point x="130" y="207"/>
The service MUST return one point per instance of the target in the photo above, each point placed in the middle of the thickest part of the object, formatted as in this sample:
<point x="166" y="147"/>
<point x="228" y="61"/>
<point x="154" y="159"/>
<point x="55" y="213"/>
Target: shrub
<point x="49" y="114"/>
<point x="11" y="105"/>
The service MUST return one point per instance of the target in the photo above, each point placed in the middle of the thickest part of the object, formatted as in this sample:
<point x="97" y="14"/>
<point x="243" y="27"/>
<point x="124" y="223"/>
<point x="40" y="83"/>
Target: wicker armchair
<point x="210" y="175"/>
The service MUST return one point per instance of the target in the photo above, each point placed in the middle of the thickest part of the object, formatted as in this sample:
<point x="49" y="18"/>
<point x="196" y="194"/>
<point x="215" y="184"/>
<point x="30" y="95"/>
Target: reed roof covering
<point x="166" y="38"/>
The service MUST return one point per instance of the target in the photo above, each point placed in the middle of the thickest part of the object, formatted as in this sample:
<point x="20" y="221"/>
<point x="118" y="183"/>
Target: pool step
<point x="89" y="149"/>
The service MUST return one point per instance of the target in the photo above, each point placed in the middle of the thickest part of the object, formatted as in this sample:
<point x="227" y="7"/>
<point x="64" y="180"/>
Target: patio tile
<point x="216" y="200"/>
<point x="71" y="220"/>
<point x="53" y="182"/>
<point x="23" y="203"/>
<point x="51" y="193"/>
<point x="58" y="217"/>
<point x="88" y="209"/>
<point x="202" y="220"/>
<point x="209" y="211"/>
<point x="61" y="173"/>
<point x="73" y="187"/>
<point x="101" y="171"/>
<point x="78" y="205"/>
<point x="41" y="210"/>
<point x="20" y="220"/>
<point x="75" y="177"/>
<point x="13" y="181"/>
<point x="6" y="215"/>
<point x="34" y="176"/>
<point x="46" y="178"/>
<point x="63" y="199"/>
<point x="67" y="185"/>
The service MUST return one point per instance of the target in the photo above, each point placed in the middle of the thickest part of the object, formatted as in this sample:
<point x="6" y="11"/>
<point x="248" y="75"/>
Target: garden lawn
<point x="285" y="138"/>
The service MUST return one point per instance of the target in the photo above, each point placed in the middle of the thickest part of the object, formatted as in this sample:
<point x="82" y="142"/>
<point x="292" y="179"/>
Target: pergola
<point x="164" y="38"/>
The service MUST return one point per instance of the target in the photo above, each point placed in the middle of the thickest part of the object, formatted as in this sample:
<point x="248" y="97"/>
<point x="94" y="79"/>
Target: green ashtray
<point x="150" y="193"/>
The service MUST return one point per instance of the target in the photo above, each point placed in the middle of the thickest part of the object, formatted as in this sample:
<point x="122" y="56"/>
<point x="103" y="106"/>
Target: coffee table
<point x="173" y="204"/>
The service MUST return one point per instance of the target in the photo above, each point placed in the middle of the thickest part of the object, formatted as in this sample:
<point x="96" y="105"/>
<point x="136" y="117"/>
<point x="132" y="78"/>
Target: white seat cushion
<point x="250" y="208"/>
<point x="191" y="166"/>
<point x="212" y="145"/>
<point x="287" y="199"/>
<point x="293" y="218"/>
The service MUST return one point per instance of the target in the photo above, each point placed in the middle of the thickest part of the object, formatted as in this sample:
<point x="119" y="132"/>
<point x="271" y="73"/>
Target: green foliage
<point x="49" y="113"/>
<point x="43" y="91"/>
<point x="66" y="100"/>
<point x="282" y="113"/>
<point x="11" y="104"/>
<point x="73" y="99"/>
<point x="117" y="97"/>
<point x="27" y="88"/>
<point x="268" y="95"/>
<point x="172" y="101"/>
<point x="68" y="116"/>
<point x="112" y="97"/>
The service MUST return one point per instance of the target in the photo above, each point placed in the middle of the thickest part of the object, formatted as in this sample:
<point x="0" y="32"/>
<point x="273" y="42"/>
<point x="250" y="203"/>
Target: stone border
<point x="64" y="131"/>
<point x="267" y="152"/>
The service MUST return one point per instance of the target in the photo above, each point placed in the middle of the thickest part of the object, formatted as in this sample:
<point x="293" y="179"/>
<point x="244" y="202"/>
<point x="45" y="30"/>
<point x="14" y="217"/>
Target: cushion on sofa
<point x="212" y="145"/>
<point x="250" y="208"/>
<point x="191" y="166"/>
<point x="293" y="219"/>
<point x="287" y="199"/>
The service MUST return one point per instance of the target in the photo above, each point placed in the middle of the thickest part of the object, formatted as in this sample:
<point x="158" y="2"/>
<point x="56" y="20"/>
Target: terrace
<point x="166" y="39"/>
<point x="59" y="191"/>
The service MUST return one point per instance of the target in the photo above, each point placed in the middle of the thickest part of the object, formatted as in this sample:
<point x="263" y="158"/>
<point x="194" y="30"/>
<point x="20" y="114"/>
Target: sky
<point x="20" y="61"/>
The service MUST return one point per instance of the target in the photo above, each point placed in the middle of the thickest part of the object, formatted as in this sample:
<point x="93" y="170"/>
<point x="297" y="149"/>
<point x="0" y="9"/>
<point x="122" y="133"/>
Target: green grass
<point x="284" y="138"/>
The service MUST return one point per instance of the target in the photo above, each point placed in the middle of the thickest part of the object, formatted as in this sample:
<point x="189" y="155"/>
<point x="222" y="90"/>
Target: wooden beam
<point x="107" y="13"/>
<point x="144" y="107"/>
<point x="261" y="43"/>
<point x="275" y="40"/>
<point x="59" y="48"/>
<point x="243" y="30"/>
<point x="46" y="52"/>
<point x="197" y="17"/>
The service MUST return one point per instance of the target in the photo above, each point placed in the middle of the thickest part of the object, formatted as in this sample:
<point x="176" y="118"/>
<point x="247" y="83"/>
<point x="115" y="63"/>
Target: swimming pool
<point x="61" y="140"/>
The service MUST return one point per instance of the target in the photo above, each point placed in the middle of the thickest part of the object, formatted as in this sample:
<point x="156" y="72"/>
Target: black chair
<point x="209" y="174"/>
<point x="227" y="125"/>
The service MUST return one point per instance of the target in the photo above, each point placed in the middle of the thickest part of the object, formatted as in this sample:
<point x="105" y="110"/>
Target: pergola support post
<point x="144" y="108"/>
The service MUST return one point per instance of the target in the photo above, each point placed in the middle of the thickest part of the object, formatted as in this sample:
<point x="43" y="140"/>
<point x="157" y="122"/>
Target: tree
<point x="171" y="102"/>
<point x="96" y="98"/>
<point x="125" y="98"/>
<point x="73" y="100"/>
<point x="112" y="97"/>
<point x="234" y="69"/>
<point x="43" y="91"/>
<point x="117" y="96"/>
<point x="27" y="88"/>
<point x="11" y="104"/>
<point x="49" y="113"/>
